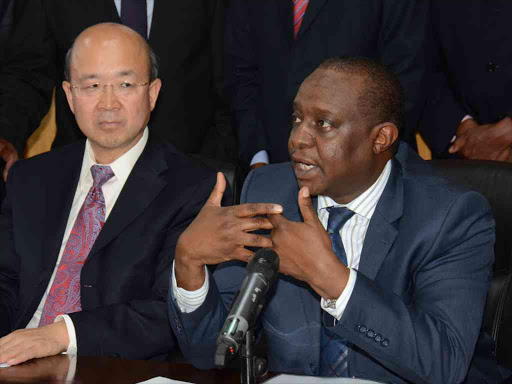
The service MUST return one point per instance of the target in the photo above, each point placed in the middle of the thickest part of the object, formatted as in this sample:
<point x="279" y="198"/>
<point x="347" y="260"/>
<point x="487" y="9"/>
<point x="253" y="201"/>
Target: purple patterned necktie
<point x="299" y="9"/>
<point x="64" y="296"/>
<point x="134" y="14"/>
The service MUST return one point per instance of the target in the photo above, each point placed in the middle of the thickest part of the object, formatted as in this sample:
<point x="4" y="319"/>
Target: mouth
<point x="107" y="123"/>
<point x="303" y="167"/>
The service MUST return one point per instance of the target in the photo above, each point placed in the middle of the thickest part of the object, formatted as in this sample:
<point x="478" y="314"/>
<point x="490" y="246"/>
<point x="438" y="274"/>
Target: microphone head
<point x="266" y="262"/>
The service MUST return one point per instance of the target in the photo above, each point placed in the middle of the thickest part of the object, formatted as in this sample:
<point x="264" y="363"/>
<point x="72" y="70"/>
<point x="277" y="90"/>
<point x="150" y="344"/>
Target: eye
<point x="326" y="125"/>
<point x="92" y="86"/>
<point x="295" y="119"/>
<point x="126" y="84"/>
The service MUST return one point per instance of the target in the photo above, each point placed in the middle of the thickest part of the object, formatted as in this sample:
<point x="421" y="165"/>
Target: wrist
<point x="190" y="274"/>
<point x="331" y="280"/>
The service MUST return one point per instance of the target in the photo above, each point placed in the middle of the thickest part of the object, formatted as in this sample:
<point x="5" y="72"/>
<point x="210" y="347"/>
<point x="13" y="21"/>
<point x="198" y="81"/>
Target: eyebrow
<point x="94" y="76"/>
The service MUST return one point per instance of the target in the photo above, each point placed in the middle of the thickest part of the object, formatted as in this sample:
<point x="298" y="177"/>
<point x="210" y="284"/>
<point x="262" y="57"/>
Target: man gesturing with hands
<point x="384" y="265"/>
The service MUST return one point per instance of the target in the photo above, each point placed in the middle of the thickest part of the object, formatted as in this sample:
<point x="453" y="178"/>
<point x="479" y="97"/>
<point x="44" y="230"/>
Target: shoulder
<point x="271" y="183"/>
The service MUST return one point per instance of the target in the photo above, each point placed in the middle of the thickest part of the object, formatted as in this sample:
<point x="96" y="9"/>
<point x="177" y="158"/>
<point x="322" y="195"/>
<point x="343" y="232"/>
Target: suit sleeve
<point x="197" y="331"/>
<point x="220" y="142"/>
<point x="430" y="337"/>
<point x="139" y="329"/>
<point x="9" y="263"/>
<point x="242" y="81"/>
<point x="443" y="111"/>
<point x="405" y="43"/>
<point x="27" y="73"/>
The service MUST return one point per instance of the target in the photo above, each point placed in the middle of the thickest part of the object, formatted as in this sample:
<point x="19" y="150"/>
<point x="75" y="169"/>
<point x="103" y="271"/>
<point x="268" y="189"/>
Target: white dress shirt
<point x="149" y="3"/>
<point x="352" y="234"/>
<point x="122" y="168"/>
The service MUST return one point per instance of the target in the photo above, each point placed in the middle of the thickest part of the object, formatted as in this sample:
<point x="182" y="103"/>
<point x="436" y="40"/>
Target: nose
<point x="300" y="137"/>
<point x="108" y="98"/>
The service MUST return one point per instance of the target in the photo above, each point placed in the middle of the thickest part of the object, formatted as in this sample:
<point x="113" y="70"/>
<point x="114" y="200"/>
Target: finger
<point x="457" y="144"/>
<point x="253" y="240"/>
<point x="277" y="220"/>
<point x="243" y="254"/>
<point x="257" y="209"/>
<point x="218" y="191"/>
<point x="306" y="207"/>
<point x="249" y="224"/>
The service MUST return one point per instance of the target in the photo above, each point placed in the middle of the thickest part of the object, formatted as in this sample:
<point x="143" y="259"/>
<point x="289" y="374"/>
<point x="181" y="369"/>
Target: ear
<point x="69" y="94"/>
<point x="384" y="135"/>
<point x="154" y="90"/>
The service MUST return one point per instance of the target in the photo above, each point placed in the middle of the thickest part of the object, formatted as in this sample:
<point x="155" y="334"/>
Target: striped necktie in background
<point x="299" y="9"/>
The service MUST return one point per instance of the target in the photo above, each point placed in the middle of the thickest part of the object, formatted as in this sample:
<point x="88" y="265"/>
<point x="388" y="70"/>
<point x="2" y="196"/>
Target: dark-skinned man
<point x="385" y="267"/>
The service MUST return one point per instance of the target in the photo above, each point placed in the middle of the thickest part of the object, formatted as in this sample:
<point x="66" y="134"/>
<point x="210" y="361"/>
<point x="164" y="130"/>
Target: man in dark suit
<point x="385" y="270"/>
<point x="88" y="231"/>
<point x="187" y="37"/>
<point x="268" y="57"/>
<point x="469" y="109"/>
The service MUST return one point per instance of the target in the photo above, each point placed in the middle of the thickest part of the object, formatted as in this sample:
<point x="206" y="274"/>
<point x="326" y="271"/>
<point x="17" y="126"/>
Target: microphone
<point x="261" y="274"/>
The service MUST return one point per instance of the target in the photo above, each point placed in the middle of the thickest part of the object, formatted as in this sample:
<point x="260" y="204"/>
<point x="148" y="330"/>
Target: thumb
<point x="457" y="145"/>
<point x="218" y="191"/>
<point x="306" y="206"/>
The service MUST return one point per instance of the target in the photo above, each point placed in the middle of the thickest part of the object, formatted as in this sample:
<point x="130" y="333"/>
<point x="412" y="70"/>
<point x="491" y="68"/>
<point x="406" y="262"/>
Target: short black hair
<point x="380" y="100"/>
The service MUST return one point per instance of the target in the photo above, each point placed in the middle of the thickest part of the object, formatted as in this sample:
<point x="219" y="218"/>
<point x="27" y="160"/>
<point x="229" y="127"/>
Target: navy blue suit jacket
<point x="416" y="309"/>
<point x="474" y="74"/>
<point x="125" y="278"/>
<point x="265" y="65"/>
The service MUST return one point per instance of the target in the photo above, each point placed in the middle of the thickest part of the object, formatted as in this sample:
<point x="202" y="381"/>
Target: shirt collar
<point x="121" y="167"/>
<point x="364" y="205"/>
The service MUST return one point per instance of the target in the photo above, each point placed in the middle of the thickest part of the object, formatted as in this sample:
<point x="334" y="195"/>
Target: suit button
<point x="370" y="333"/>
<point x="491" y="67"/>
<point x="363" y="329"/>
<point x="377" y="338"/>
<point x="313" y="368"/>
<point x="385" y="342"/>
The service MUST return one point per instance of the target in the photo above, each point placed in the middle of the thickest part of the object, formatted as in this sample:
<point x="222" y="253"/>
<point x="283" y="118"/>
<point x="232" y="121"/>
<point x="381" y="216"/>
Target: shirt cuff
<point x="72" y="346"/>
<point x="260" y="157"/>
<point x="189" y="301"/>
<point x="342" y="301"/>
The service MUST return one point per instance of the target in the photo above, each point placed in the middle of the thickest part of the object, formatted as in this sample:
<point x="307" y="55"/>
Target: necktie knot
<point x="101" y="174"/>
<point x="338" y="216"/>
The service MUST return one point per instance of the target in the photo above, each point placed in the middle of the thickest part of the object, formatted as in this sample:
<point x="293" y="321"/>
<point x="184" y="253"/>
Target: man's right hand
<point x="219" y="234"/>
<point x="9" y="154"/>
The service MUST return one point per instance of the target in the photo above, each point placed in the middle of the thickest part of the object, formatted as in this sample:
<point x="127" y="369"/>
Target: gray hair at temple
<point x="151" y="57"/>
<point x="381" y="99"/>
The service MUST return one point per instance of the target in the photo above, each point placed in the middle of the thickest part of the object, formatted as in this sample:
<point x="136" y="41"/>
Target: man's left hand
<point x="305" y="251"/>
<point x="484" y="142"/>
<point x="25" y="344"/>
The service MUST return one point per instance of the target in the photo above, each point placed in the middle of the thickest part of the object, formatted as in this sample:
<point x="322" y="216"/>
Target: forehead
<point x="107" y="56"/>
<point x="330" y="90"/>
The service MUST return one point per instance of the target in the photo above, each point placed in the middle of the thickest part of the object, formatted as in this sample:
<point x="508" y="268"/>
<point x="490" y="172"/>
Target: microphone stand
<point x="252" y="366"/>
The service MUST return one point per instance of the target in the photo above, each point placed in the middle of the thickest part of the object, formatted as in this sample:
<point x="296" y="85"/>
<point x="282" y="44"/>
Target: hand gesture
<point x="305" y="250"/>
<point x="220" y="234"/>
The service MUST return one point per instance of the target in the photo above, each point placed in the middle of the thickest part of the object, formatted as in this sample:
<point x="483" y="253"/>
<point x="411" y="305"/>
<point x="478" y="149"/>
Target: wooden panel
<point x="42" y="139"/>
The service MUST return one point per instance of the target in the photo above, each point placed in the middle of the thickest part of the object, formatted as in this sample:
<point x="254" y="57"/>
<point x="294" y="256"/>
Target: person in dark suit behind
<point x="397" y="293"/>
<point x="187" y="37"/>
<point x="469" y="109"/>
<point x="272" y="46"/>
<point x="88" y="231"/>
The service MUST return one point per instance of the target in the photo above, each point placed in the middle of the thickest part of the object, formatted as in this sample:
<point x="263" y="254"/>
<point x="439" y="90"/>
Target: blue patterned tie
<point x="334" y="350"/>
<point x="134" y="14"/>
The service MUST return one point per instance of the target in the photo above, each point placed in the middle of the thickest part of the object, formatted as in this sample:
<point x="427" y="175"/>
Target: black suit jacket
<point x="474" y="74"/>
<point x="187" y="37"/>
<point x="265" y="65"/>
<point x="125" y="278"/>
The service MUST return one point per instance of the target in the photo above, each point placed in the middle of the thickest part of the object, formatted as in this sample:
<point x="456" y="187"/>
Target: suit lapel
<point x="285" y="20"/>
<point x="111" y="11"/>
<point x="381" y="231"/>
<point x="314" y="7"/>
<point x="60" y="192"/>
<point x="141" y="188"/>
